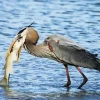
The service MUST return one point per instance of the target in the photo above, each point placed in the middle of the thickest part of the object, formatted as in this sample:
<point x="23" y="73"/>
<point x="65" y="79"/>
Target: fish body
<point x="12" y="55"/>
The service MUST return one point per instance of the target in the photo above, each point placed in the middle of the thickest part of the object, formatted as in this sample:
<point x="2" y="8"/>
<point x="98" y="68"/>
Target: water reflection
<point x="70" y="93"/>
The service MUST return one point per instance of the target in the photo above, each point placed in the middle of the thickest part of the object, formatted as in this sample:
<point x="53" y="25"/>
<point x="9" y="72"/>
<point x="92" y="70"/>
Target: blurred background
<point x="43" y="79"/>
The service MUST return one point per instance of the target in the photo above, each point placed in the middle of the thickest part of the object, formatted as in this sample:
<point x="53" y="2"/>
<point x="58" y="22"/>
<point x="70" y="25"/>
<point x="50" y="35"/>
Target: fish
<point x="12" y="55"/>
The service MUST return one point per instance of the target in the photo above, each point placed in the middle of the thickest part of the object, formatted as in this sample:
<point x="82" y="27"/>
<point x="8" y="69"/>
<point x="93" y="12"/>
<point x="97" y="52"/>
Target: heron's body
<point x="63" y="50"/>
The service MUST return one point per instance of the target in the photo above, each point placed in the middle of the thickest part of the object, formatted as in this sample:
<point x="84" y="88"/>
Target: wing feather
<point x="71" y="53"/>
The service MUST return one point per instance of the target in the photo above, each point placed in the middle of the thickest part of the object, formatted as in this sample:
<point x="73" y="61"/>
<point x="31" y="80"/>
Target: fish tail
<point x="4" y="82"/>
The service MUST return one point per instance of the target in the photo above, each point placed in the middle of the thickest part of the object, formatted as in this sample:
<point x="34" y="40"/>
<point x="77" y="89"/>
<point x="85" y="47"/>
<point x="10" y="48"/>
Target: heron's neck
<point x="32" y="48"/>
<point x="40" y="50"/>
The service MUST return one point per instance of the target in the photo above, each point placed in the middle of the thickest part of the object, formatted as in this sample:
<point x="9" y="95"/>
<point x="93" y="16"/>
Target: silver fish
<point x="12" y="55"/>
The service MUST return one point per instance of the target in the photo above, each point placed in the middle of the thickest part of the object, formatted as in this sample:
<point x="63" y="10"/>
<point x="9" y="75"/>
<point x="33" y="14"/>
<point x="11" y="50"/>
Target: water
<point x="43" y="79"/>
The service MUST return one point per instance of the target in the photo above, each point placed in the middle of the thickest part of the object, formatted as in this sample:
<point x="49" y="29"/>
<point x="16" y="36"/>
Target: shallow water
<point x="43" y="79"/>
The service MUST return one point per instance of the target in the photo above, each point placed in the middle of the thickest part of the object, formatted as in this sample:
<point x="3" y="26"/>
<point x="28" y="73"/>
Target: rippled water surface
<point x="43" y="79"/>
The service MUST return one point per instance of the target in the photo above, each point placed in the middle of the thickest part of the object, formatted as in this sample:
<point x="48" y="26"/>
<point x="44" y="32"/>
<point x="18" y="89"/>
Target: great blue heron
<point x="63" y="50"/>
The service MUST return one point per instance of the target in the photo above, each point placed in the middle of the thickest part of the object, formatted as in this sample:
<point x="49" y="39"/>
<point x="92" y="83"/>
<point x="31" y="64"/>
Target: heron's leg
<point x="85" y="78"/>
<point x="68" y="77"/>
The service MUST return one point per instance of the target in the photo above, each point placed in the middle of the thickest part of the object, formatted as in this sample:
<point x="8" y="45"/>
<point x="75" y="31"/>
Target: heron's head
<point x="32" y="35"/>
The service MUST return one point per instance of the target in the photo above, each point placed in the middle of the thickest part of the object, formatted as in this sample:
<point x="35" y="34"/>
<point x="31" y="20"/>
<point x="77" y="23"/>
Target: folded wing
<point x="71" y="53"/>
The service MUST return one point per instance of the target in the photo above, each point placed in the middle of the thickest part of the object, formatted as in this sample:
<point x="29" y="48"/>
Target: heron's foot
<point x="84" y="82"/>
<point x="67" y="84"/>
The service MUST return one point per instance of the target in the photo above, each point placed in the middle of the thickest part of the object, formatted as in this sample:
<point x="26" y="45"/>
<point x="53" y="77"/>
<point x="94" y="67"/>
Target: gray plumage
<point x="73" y="54"/>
